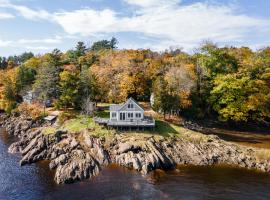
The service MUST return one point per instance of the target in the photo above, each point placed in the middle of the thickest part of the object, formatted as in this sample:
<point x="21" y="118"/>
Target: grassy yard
<point x="81" y="123"/>
<point x="75" y="122"/>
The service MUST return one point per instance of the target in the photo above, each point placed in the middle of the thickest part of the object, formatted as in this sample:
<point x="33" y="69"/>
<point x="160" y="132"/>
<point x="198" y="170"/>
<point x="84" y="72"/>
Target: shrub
<point x="35" y="111"/>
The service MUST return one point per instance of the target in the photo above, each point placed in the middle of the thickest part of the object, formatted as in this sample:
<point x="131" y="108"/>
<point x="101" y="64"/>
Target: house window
<point x="113" y="115"/>
<point x="138" y="115"/>
<point x="130" y="115"/>
<point x="130" y="105"/>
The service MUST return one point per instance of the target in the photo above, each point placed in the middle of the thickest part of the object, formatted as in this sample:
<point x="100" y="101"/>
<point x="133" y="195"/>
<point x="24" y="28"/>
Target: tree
<point x="113" y="43"/>
<point x="47" y="83"/>
<point x="3" y="62"/>
<point x="181" y="81"/>
<point x="8" y="91"/>
<point x="104" y="44"/>
<point x="10" y="96"/>
<point x="239" y="98"/>
<point x="218" y="60"/>
<point x="80" y="49"/>
<point x="25" y="56"/>
<point x="33" y="63"/>
<point x="74" y="56"/>
<point x="25" y="78"/>
<point x="69" y="87"/>
<point x="163" y="101"/>
<point x="54" y="58"/>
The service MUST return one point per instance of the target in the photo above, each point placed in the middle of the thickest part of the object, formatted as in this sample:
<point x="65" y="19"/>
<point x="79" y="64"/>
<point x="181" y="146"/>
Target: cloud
<point x="4" y="43"/>
<point x="40" y="41"/>
<point x="151" y="3"/>
<point x="6" y="16"/>
<point x="87" y="21"/>
<point x="169" y="22"/>
<point x="164" y="22"/>
<point x="39" y="48"/>
<point x="30" y="42"/>
<point x="28" y="13"/>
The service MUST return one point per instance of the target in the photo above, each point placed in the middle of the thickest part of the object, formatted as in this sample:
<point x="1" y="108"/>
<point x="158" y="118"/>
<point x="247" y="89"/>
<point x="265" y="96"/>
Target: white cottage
<point x="129" y="114"/>
<point x="129" y="111"/>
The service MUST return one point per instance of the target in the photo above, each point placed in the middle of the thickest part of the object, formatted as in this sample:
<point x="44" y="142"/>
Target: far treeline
<point x="229" y="84"/>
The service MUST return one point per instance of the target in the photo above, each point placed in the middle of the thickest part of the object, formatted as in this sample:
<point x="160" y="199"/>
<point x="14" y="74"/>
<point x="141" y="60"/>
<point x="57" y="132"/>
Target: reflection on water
<point x="36" y="182"/>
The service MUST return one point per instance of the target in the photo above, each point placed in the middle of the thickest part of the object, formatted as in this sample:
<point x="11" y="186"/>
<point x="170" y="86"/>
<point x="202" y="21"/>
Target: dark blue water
<point x="36" y="182"/>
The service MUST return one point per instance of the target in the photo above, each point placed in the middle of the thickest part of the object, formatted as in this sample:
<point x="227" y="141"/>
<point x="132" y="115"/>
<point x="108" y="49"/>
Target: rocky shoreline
<point x="80" y="156"/>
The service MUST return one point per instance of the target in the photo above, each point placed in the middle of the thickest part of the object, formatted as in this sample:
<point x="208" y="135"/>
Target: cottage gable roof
<point x="118" y="107"/>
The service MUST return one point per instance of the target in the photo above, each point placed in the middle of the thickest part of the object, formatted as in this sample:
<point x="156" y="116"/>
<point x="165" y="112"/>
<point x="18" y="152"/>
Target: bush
<point x="35" y="111"/>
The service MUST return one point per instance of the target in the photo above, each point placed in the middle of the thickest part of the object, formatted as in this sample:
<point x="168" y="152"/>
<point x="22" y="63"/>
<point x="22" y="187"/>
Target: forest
<point x="227" y="84"/>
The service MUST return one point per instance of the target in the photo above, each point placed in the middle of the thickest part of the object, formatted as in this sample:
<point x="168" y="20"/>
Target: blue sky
<point x="42" y="25"/>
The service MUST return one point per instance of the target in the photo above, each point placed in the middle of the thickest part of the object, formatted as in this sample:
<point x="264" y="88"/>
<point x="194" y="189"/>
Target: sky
<point x="43" y="25"/>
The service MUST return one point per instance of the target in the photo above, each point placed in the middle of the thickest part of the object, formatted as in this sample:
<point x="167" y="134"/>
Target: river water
<point x="36" y="182"/>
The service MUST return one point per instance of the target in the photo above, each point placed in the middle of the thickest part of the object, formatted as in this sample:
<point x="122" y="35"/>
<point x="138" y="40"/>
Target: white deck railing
<point x="143" y="122"/>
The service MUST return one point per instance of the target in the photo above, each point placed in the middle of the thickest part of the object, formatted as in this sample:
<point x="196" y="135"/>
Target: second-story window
<point x="130" y="105"/>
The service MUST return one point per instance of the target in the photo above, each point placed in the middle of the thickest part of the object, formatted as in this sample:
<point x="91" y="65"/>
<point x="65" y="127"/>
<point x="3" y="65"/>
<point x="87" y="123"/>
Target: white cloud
<point x="87" y="21"/>
<point x="39" y="48"/>
<point x="31" y="14"/>
<point x="6" y="16"/>
<point x="151" y="3"/>
<point x="30" y="42"/>
<point x="4" y="43"/>
<point x="168" y="21"/>
<point x="40" y="41"/>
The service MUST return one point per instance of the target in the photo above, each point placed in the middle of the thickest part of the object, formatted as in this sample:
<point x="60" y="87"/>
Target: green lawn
<point x="75" y="123"/>
<point x="81" y="123"/>
<point x="48" y="130"/>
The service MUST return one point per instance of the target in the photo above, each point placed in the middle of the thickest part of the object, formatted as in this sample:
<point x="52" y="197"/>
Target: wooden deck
<point x="146" y="122"/>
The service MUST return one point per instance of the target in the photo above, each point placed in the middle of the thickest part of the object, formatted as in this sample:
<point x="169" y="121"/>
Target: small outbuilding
<point x="50" y="119"/>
